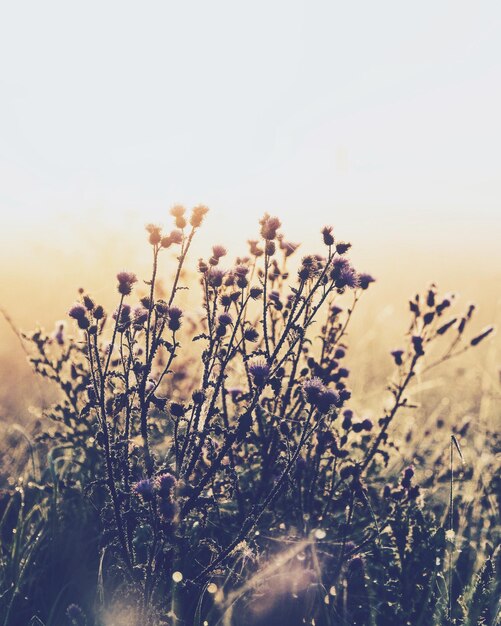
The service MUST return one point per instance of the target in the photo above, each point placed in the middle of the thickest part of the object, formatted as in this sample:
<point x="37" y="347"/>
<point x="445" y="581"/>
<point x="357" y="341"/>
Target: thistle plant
<point x="199" y="432"/>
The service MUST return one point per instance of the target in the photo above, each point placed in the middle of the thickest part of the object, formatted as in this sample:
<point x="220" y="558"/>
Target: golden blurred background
<point x="324" y="114"/>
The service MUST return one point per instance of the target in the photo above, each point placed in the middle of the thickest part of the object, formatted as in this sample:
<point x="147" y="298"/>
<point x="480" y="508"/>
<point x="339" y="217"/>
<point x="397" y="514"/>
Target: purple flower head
<point x="177" y="409"/>
<point x="144" y="489"/>
<point x="342" y="247"/>
<point x="364" y="280"/>
<point x="312" y="388"/>
<point x="485" y="333"/>
<point x="218" y="251"/>
<point x="198" y="396"/>
<point x="327" y="235"/>
<point x="251" y="334"/>
<point x="215" y="277"/>
<point x="326" y="400"/>
<point x="125" y="282"/>
<point x="165" y="483"/>
<point x="397" y="356"/>
<point x="255" y="250"/>
<point x="175" y="313"/>
<point x="259" y="370"/>
<point x="140" y="315"/>
<point x="256" y="292"/>
<point x="269" y="227"/>
<point x="225" y="319"/>
<point x="347" y="277"/>
<point x="77" y="312"/>
<point x="417" y="343"/>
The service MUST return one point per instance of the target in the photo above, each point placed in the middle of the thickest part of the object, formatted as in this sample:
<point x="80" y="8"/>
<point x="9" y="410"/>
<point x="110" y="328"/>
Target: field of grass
<point x="284" y="443"/>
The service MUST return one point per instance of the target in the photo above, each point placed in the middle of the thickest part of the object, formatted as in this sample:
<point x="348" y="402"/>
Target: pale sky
<point x="368" y="115"/>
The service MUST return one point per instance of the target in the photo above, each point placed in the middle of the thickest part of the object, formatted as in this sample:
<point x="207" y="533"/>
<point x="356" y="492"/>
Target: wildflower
<point x="326" y="400"/>
<point x="287" y="246"/>
<point x="225" y="319"/>
<point x="98" y="312"/>
<point x="270" y="248"/>
<point x="198" y="396"/>
<point x="327" y="235"/>
<point x="259" y="370"/>
<point x="269" y="227"/>
<point x="77" y="312"/>
<point x="251" y="334"/>
<point x="197" y="215"/>
<point x="367" y="424"/>
<point x="125" y="282"/>
<point x="312" y="388"/>
<point x="164" y="484"/>
<point x="347" y="278"/>
<point x="218" y="251"/>
<point x="485" y="333"/>
<point x="177" y="409"/>
<point x="309" y="268"/>
<point x="417" y="343"/>
<point x="177" y="210"/>
<point x="255" y="250"/>
<point x="88" y="302"/>
<point x="155" y="234"/>
<point x="255" y="292"/>
<point x="215" y="277"/>
<point x="364" y="280"/>
<point x="175" y="314"/>
<point x="397" y="356"/>
<point x="445" y="327"/>
<point x="443" y="305"/>
<point x="144" y="489"/>
<point x="342" y="247"/>
<point x="140" y="315"/>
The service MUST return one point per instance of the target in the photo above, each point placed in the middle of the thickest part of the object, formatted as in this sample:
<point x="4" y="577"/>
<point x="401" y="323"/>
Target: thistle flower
<point x="218" y="251"/>
<point x="140" y="315"/>
<point x="177" y="210"/>
<point x="198" y="396"/>
<point x="98" y="312"/>
<point x="125" y="282"/>
<point x="225" y="319"/>
<point x="397" y="356"/>
<point x="77" y="312"/>
<point x="155" y="233"/>
<point x="251" y="334"/>
<point x="197" y="215"/>
<point x="259" y="370"/>
<point x="215" y="277"/>
<point x="347" y="277"/>
<point x="342" y="247"/>
<point x="417" y="343"/>
<point x="269" y="227"/>
<point x="364" y="280"/>
<point x="165" y="483"/>
<point x="175" y="314"/>
<point x="255" y="250"/>
<point x="256" y="292"/>
<point x="485" y="333"/>
<point x="312" y="388"/>
<point x="445" y="327"/>
<point x="327" y="235"/>
<point x="144" y="489"/>
<point x="326" y="400"/>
